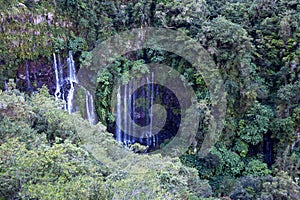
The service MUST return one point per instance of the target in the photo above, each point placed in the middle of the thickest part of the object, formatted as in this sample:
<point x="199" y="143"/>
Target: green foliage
<point x="116" y="73"/>
<point x="242" y="148"/>
<point x="284" y="128"/>
<point x="32" y="165"/>
<point x="62" y="171"/>
<point x="255" y="45"/>
<point x="279" y="187"/>
<point x="230" y="163"/>
<point x="256" y="168"/>
<point x="221" y="167"/>
<point x="181" y="14"/>
<point x="165" y="180"/>
<point x="256" y="124"/>
<point x="77" y="44"/>
<point x="289" y="161"/>
<point x="49" y="119"/>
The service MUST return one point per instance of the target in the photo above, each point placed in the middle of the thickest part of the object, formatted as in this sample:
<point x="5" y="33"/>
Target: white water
<point x="148" y="133"/>
<point x="71" y="67"/>
<point x="5" y="85"/>
<point x="125" y="119"/>
<point x="90" y="108"/>
<point x="57" y="93"/>
<point x="119" y="116"/>
<point x="132" y="103"/>
<point x="72" y="79"/>
<point x="61" y="79"/>
<point x="124" y="122"/>
<point x="60" y="70"/>
<point x="60" y="90"/>
<point x="155" y="137"/>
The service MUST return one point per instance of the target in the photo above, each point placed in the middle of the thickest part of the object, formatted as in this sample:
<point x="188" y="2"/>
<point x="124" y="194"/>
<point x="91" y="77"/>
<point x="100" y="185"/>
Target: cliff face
<point x="31" y="31"/>
<point x="33" y="74"/>
<point x="28" y="34"/>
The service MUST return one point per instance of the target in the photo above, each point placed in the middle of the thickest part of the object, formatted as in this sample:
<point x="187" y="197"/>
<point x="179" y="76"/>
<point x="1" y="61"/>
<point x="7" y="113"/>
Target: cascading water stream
<point x="61" y="89"/>
<point x="125" y="119"/>
<point x="90" y="108"/>
<point x="130" y="125"/>
<point x="60" y="70"/>
<point x="34" y="72"/>
<point x="71" y="66"/>
<point x="119" y="116"/>
<point x="5" y="85"/>
<point x="132" y="105"/>
<point x="28" y="77"/>
<point x="126" y="104"/>
<point x="57" y="93"/>
<point x="72" y="79"/>
<point x="149" y="99"/>
<point x="155" y="137"/>
<point x="61" y="79"/>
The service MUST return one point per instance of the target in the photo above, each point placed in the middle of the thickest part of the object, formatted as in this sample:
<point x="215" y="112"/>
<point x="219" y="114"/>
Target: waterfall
<point x="28" y="77"/>
<point x="57" y="79"/>
<point x="149" y="96"/>
<point x="130" y="121"/>
<point x="125" y="119"/>
<point x="151" y="103"/>
<point x="90" y="108"/>
<point x="119" y="116"/>
<point x="61" y="79"/>
<point x="60" y="71"/>
<point x="34" y="73"/>
<point x="122" y="118"/>
<point x="155" y="137"/>
<point x="5" y="85"/>
<point x="71" y="67"/>
<point x="126" y="103"/>
<point x="132" y="106"/>
<point x="72" y="79"/>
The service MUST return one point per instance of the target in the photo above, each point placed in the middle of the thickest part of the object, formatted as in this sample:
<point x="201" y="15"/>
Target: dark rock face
<point x="37" y="73"/>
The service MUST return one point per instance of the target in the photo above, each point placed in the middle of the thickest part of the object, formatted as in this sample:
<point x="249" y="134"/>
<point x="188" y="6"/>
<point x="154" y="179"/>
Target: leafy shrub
<point x="62" y="171"/>
<point x="256" y="168"/>
<point x="279" y="187"/>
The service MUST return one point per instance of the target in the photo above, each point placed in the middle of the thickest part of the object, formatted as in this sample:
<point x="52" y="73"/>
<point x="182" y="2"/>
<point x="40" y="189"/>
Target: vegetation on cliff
<point x="254" y="44"/>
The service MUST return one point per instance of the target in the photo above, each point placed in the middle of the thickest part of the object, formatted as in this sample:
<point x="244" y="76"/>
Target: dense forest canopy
<point x="45" y="153"/>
